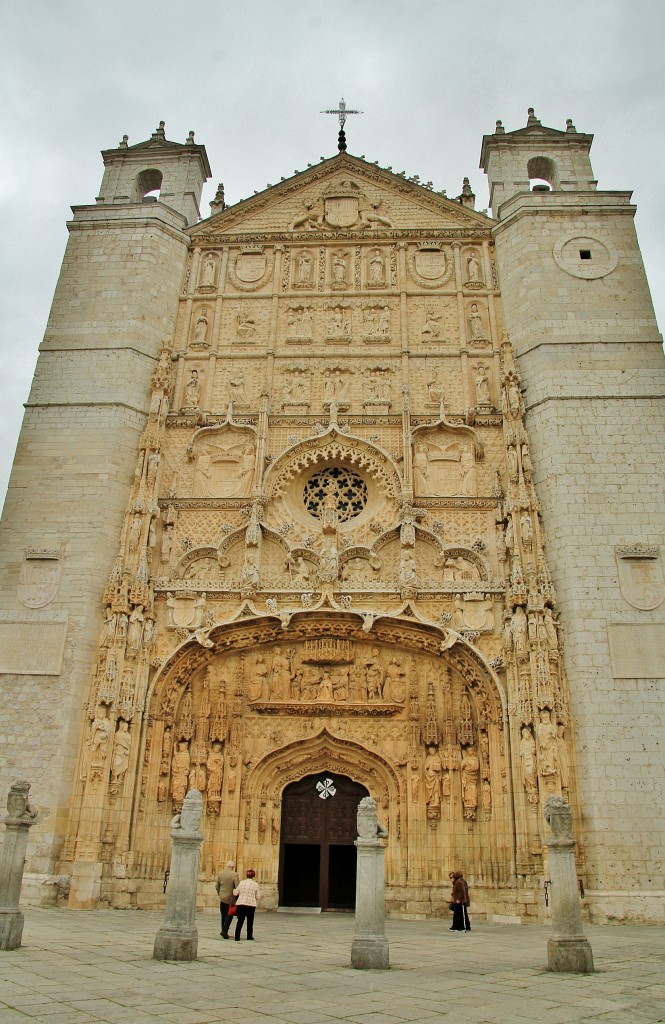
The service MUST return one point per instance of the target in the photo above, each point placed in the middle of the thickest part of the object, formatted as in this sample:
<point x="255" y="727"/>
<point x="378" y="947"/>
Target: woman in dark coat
<point x="458" y="899"/>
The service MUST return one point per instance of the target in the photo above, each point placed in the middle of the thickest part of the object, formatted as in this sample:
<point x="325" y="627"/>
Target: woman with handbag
<point x="247" y="894"/>
<point x="458" y="899"/>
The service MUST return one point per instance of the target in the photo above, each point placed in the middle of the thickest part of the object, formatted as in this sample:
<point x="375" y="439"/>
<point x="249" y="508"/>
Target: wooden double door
<point x="317" y="864"/>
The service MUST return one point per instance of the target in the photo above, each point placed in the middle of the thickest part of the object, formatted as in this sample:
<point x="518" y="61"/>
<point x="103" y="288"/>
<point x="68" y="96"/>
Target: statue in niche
<point x="339" y="270"/>
<point x="421" y="469"/>
<point x="341" y="685"/>
<point x="547" y="744"/>
<point x="407" y="530"/>
<point x="511" y="461"/>
<point x="483" y="397"/>
<point x="336" y="389"/>
<point x="374" y="676"/>
<point x="180" y="772"/>
<point x="262" y="826"/>
<point x="251" y="573"/>
<point x="304" y="268"/>
<point x="215" y="769"/>
<point x="433" y="770"/>
<point x="193" y="390"/>
<point x="200" y="335"/>
<point x="100" y="733"/>
<point x="167" y="747"/>
<point x="563" y="760"/>
<point x="550" y="631"/>
<point x="528" y="760"/>
<point x="237" y="393"/>
<point x="394" y="687"/>
<point x="246" y="325"/>
<point x="415" y="786"/>
<point x="408" y="571"/>
<point x="520" y="630"/>
<point x="298" y="570"/>
<point x="325" y="690"/>
<point x="208" y="275"/>
<point x="514" y="400"/>
<point x="377" y="269"/>
<point x="280" y="683"/>
<point x="153" y="466"/>
<point x="468" y="484"/>
<point x="338" y="325"/>
<point x="135" y="628"/>
<point x="259" y="686"/>
<point x="431" y="326"/>
<point x="473" y="269"/>
<point x="476" y="329"/>
<point x="328" y="563"/>
<point x="526" y="531"/>
<point x="120" y="753"/>
<point x="457" y="621"/>
<point x="198" y="777"/>
<point x="487" y="797"/>
<point x="162" y="789"/>
<point x="135" y="533"/>
<point x="527" y="465"/>
<point x="470" y="771"/>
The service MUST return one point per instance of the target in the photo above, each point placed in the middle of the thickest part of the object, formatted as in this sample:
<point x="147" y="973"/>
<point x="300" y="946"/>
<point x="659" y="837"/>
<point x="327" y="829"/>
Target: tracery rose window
<point x="335" y="489"/>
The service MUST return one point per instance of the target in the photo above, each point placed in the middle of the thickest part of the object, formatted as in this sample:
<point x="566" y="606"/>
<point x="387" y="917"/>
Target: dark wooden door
<point x="317" y="864"/>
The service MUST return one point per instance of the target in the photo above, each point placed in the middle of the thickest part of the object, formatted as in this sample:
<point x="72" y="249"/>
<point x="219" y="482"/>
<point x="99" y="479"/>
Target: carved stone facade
<point x="332" y="559"/>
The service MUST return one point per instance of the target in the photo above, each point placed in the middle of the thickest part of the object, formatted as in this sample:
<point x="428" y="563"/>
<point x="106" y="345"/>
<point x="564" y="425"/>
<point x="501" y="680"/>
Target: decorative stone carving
<point x="474" y="276"/>
<point x="376" y="270"/>
<point x="477" y="334"/>
<point x="470" y="773"/>
<point x="528" y="762"/>
<point x="120" y="755"/>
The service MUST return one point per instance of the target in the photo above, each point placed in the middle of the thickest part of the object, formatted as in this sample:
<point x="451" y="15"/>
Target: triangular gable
<point x="342" y="194"/>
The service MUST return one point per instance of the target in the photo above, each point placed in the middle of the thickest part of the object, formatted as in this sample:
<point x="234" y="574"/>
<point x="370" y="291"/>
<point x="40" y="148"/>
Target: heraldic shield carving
<point x="430" y="263"/>
<point x="341" y="211"/>
<point x="250" y="266"/>
<point x="39" y="579"/>
<point x="641" y="576"/>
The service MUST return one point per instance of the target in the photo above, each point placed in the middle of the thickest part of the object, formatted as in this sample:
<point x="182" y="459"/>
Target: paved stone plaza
<point x="77" y="967"/>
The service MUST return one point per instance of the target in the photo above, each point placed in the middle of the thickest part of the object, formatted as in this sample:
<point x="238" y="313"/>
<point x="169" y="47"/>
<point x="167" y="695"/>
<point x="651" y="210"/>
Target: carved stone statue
<point x="520" y="630"/>
<point x="100" y="733"/>
<point x="215" y="767"/>
<point x="193" y="390"/>
<point x="473" y="268"/>
<point x="208" y="273"/>
<point x="180" y="772"/>
<point x="528" y="761"/>
<point x="483" y="396"/>
<point x="120" y="756"/>
<point x="394" y="686"/>
<point x="431" y="327"/>
<point x="470" y="768"/>
<point x="377" y="269"/>
<point x="201" y="329"/>
<point x="476" y="329"/>
<point x="547" y="744"/>
<point x="433" y="769"/>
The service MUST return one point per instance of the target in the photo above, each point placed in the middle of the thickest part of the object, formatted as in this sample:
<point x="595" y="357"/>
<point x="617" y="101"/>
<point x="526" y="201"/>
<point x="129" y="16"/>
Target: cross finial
<point x="342" y="113"/>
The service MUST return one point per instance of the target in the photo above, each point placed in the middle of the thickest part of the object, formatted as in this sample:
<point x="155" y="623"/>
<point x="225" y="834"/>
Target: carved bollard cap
<point x="559" y="817"/>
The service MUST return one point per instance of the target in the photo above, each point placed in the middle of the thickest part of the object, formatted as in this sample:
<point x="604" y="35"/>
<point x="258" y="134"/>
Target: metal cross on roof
<point x="342" y="113"/>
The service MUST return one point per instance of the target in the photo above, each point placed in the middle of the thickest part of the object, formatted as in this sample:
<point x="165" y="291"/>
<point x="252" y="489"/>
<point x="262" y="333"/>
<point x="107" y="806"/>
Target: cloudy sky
<point x="251" y="77"/>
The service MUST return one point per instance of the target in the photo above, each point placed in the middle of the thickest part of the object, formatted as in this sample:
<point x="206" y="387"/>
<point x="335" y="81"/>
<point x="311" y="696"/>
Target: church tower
<point x="578" y="311"/>
<point x="114" y="304"/>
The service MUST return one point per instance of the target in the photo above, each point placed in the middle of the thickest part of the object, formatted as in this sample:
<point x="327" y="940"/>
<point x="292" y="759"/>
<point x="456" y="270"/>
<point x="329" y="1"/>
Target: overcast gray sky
<point x="251" y="77"/>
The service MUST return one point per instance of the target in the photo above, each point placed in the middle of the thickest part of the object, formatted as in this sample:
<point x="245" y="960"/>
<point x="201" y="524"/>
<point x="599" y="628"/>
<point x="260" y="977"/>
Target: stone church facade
<point x="308" y="497"/>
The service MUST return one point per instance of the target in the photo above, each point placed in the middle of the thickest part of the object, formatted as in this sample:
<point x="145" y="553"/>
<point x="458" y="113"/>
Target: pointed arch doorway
<point x="317" y="863"/>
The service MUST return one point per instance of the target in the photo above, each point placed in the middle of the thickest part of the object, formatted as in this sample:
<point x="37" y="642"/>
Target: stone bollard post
<point x="568" y="949"/>
<point x="17" y="823"/>
<point x="178" y="938"/>
<point x="369" y="948"/>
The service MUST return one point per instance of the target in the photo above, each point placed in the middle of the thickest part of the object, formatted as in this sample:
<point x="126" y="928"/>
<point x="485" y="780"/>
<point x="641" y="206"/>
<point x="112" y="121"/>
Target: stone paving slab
<point x="97" y="968"/>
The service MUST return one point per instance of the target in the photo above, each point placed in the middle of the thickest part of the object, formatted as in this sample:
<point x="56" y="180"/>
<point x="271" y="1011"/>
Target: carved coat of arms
<point x="641" y="577"/>
<point x="39" y="580"/>
<point x="341" y="211"/>
<point x="430" y="263"/>
<point x="250" y="266"/>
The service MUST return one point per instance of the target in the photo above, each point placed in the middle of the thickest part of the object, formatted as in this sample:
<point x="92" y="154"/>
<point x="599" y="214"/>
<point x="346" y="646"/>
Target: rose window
<point x="335" y="488"/>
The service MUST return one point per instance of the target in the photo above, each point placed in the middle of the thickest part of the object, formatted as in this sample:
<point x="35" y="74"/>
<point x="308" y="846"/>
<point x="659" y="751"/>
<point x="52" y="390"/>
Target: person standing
<point x="458" y="897"/>
<point x="226" y="883"/>
<point x="247" y="893"/>
<point x="467" y="904"/>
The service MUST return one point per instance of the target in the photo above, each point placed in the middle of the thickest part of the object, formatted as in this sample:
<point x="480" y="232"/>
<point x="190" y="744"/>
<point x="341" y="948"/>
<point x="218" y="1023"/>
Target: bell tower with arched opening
<point x="578" y="311"/>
